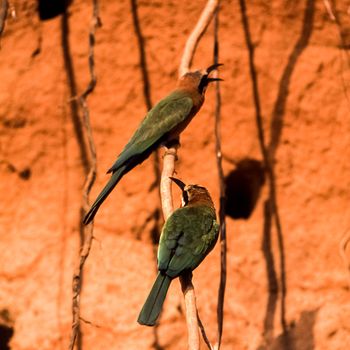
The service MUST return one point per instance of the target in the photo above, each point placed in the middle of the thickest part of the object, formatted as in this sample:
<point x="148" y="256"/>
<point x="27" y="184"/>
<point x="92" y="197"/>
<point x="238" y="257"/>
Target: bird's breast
<point x="175" y="132"/>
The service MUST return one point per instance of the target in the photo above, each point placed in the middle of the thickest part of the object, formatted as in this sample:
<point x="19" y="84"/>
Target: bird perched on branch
<point x="188" y="235"/>
<point x="162" y="124"/>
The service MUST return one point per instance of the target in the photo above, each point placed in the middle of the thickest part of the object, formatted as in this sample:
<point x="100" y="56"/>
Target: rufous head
<point x="199" y="79"/>
<point x="192" y="194"/>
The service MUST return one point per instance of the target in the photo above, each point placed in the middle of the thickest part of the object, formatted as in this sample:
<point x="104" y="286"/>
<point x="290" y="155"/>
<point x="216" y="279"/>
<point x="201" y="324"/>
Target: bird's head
<point x="199" y="79"/>
<point x="193" y="194"/>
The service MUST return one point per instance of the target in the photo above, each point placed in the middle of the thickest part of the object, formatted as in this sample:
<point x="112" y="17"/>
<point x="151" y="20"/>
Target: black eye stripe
<point x="185" y="196"/>
<point x="203" y="83"/>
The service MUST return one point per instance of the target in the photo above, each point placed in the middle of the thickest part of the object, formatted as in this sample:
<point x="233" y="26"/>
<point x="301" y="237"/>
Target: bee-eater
<point x="162" y="124"/>
<point x="188" y="235"/>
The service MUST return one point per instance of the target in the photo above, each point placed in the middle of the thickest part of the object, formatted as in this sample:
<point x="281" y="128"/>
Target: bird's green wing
<point x="187" y="237"/>
<point x="160" y="120"/>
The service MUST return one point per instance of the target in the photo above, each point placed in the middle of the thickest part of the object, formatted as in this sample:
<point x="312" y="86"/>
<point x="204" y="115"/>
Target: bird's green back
<point x="187" y="237"/>
<point x="160" y="120"/>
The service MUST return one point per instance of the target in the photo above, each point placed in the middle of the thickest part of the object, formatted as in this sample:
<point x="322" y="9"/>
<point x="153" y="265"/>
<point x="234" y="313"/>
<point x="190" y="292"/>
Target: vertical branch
<point x="195" y="36"/>
<point x="191" y="310"/>
<point x="170" y="156"/>
<point x="3" y="15"/>
<point x="88" y="230"/>
<point x="222" y="209"/>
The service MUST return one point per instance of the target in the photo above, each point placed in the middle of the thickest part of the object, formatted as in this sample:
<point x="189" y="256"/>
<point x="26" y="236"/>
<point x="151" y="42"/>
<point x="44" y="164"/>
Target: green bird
<point x="162" y="124"/>
<point x="188" y="235"/>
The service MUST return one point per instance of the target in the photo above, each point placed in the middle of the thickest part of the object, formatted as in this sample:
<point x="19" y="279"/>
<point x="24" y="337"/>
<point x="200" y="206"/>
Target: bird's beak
<point x="213" y="67"/>
<point x="178" y="182"/>
<point x="210" y="80"/>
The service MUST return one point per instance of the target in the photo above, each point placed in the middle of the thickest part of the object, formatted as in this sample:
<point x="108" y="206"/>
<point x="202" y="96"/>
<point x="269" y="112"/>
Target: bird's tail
<point x="153" y="305"/>
<point x="117" y="175"/>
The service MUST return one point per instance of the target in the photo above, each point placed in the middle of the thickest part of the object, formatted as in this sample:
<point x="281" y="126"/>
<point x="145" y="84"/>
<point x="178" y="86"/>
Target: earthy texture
<point x="301" y="64"/>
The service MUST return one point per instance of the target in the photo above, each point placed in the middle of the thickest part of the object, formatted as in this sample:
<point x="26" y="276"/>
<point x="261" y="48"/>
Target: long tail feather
<point x="153" y="305"/>
<point x="103" y="195"/>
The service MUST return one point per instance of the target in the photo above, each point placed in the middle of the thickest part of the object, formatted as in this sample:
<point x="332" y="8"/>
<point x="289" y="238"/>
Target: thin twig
<point x="204" y="334"/>
<point x="89" y="322"/>
<point x="222" y="209"/>
<point x="88" y="230"/>
<point x="329" y="10"/>
<point x="3" y="15"/>
<point x="196" y="35"/>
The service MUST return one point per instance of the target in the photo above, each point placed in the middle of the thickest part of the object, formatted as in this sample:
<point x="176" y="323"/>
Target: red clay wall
<point x="303" y="82"/>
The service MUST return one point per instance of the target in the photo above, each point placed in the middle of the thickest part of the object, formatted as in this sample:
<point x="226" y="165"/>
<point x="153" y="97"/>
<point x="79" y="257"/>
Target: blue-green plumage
<point x="188" y="235"/>
<point x="163" y="123"/>
<point x="153" y="305"/>
<point x="159" y="122"/>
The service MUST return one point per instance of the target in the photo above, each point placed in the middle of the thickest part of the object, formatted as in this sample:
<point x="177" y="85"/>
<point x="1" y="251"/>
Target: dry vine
<point x="222" y="209"/>
<point x="88" y="230"/>
<point x="170" y="155"/>
<point x="3" y="15"/>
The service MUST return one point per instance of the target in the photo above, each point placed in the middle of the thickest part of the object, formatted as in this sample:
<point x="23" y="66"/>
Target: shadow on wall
<point x="6" y="329"/>
<point x="51" y="8"/>
<point x="277" y="284"/>
<point x="299" y="337"/>
<point x="243" y="187"/>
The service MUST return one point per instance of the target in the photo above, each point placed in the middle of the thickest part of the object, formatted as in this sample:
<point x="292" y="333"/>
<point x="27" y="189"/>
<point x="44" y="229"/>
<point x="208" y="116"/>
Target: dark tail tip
<point x="144" y="322"/>
<point x="90" y="215"/>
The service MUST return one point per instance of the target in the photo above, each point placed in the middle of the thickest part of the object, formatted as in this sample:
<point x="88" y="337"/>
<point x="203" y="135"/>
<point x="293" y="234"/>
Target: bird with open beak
<point x="162" y="124"/>
<point x="187" y="237"/>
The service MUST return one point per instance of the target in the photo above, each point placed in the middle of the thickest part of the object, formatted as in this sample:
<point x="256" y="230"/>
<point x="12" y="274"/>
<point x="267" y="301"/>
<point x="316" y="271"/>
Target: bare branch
<point x="329" y="10"/>
<point x="196" y="35"/>
<point x="186" y="279"/>
<point x="88" y="230"/>
<point x="222" y="209"/>
<point x="204" y="334"/>
<point x="191" y="310"/>
<point x="170" y="156"/>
